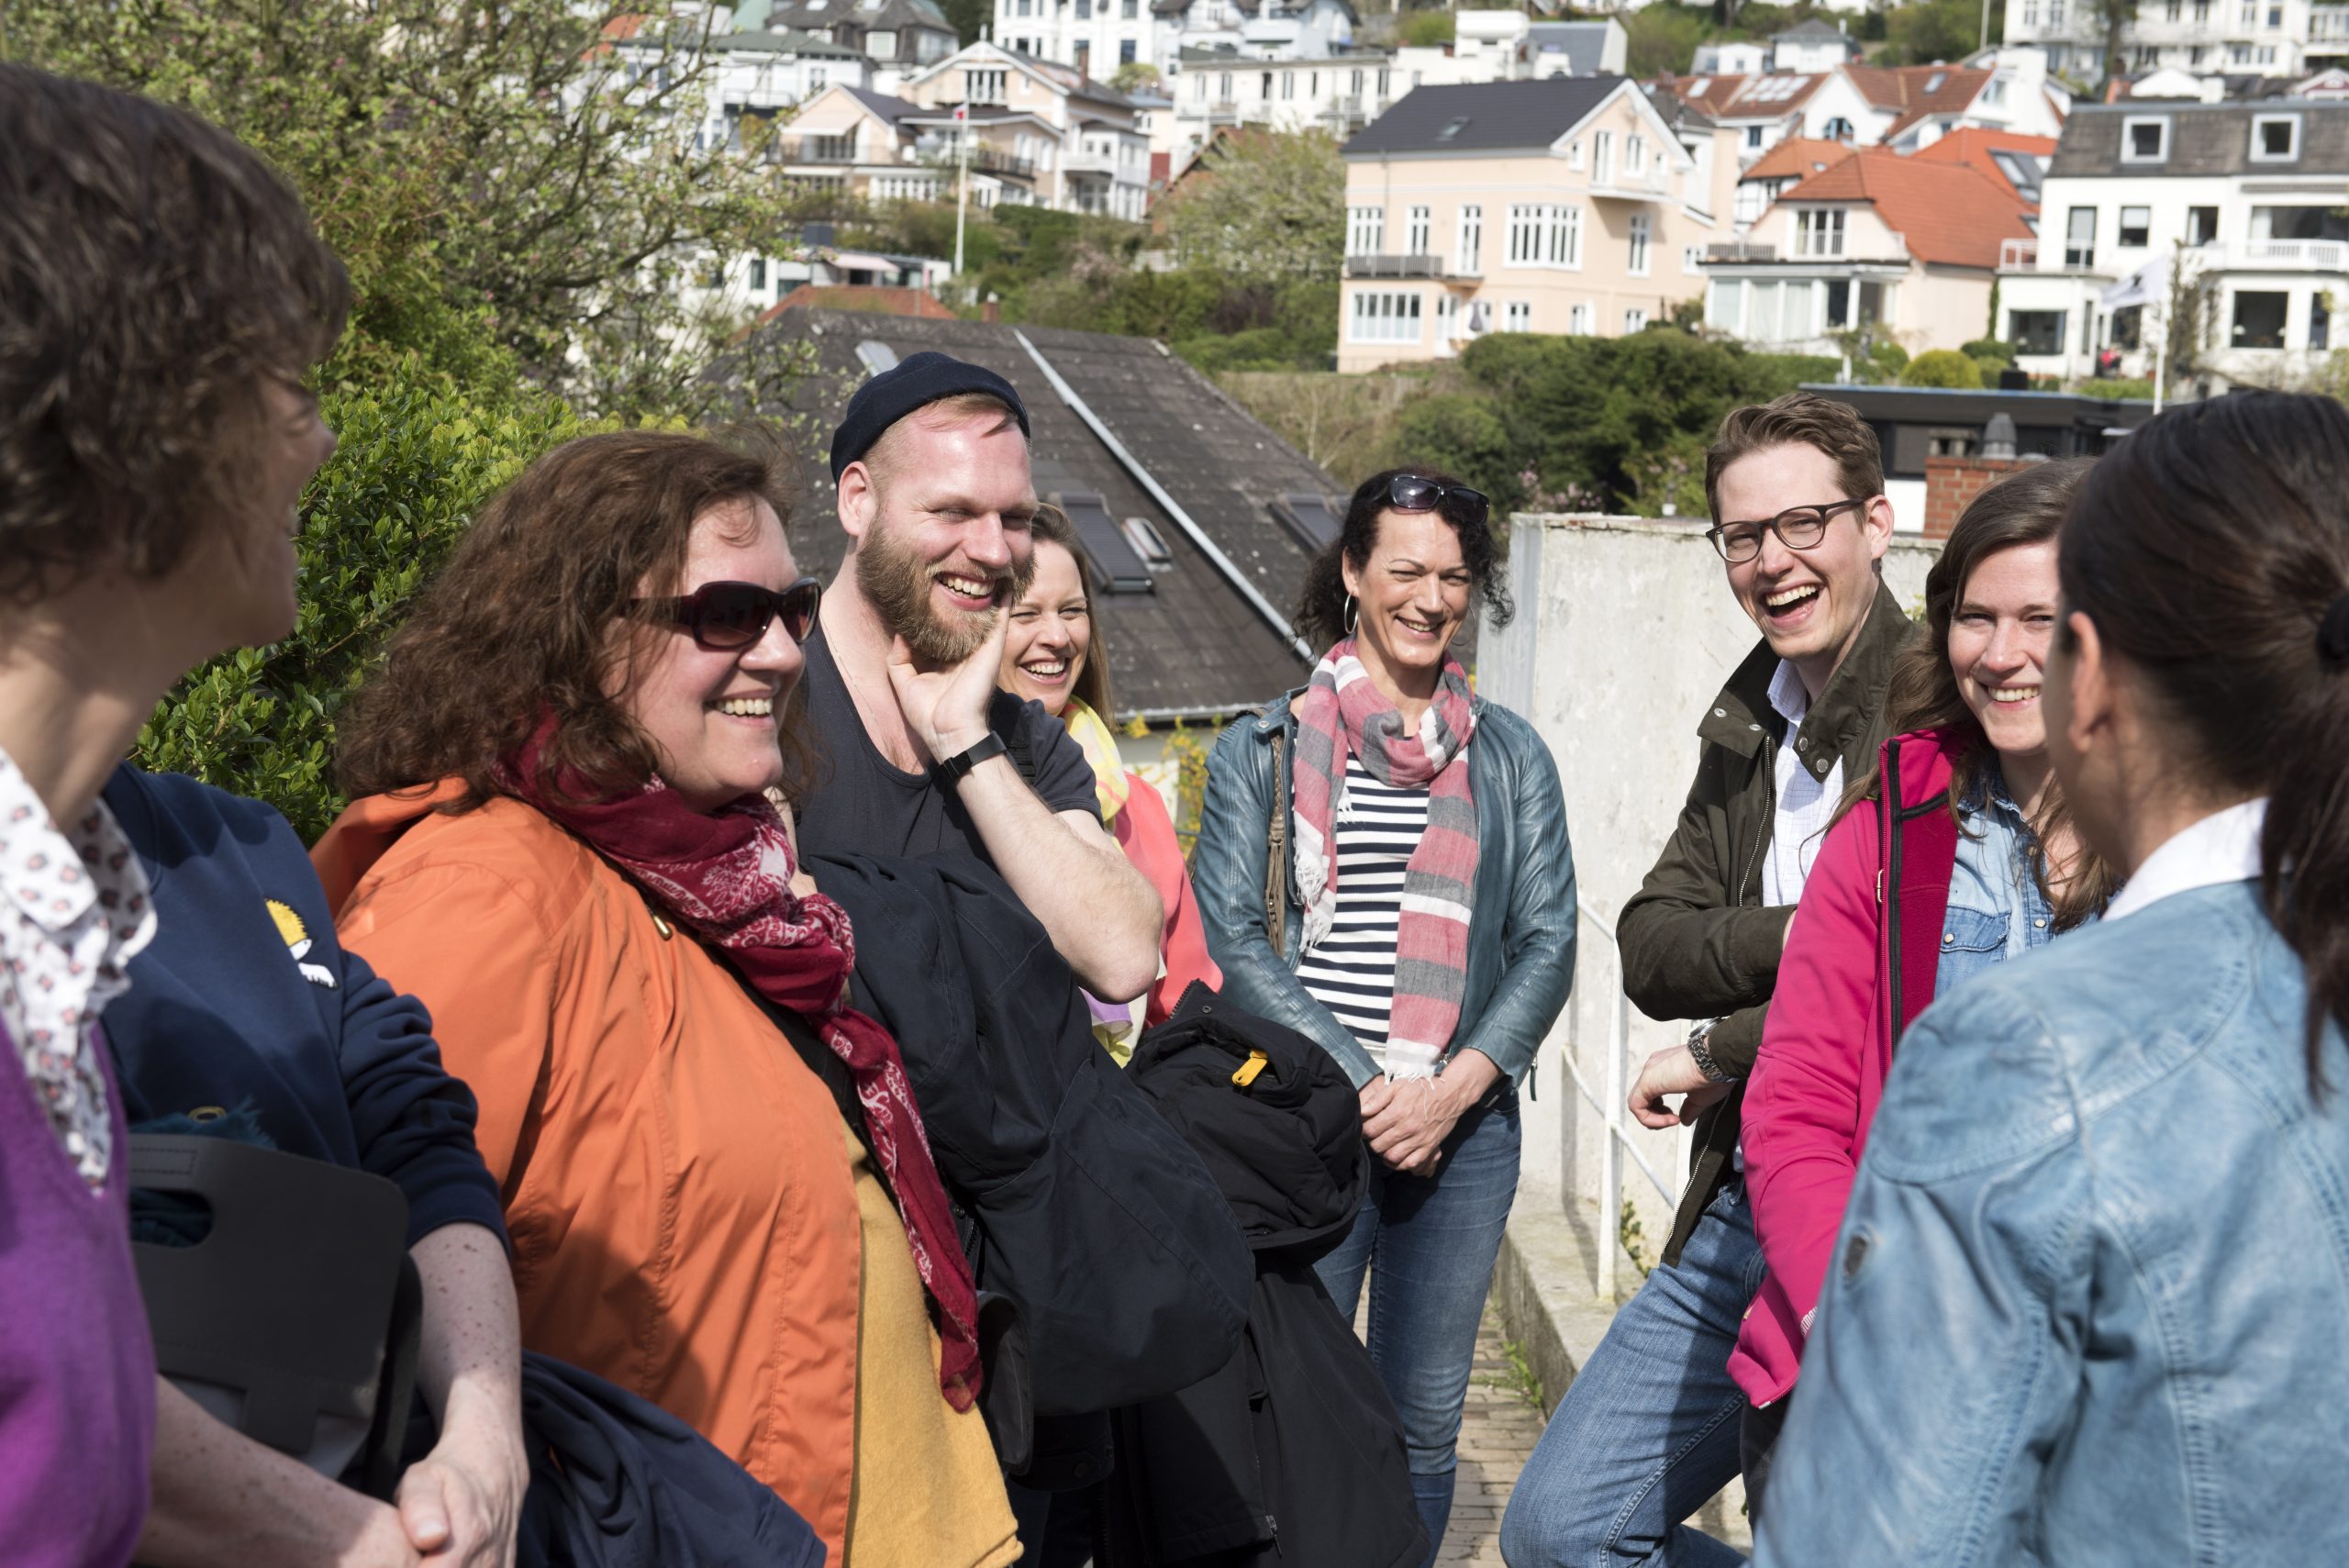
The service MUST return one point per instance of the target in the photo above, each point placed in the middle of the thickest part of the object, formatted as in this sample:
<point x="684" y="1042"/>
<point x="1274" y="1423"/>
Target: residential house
<point x="1080" y="137"/>
<point x="1812" y="46"/>
<point x="2015" y="160"/>
<point x="896" y="35"/>
<point x="1199" y="520"/>
<point x="1098" y="36"/>
<point x="1781" y="169"/>
<point x="1758" y="112"/>
<point x="1901" y="247"/>
<point x="1731" y="59"/>
<point x="749" y="76"/>
<point x="2263" y="37"/>
<point x="1926" y="433"/>
<point x="1570" y="204"/>
<point x="869" y="145"/>
<point x="1906" y="107"/>
<point x="739" y="286"/>
<point x="2240" y="206"/>
<point x="1560" y="49"/>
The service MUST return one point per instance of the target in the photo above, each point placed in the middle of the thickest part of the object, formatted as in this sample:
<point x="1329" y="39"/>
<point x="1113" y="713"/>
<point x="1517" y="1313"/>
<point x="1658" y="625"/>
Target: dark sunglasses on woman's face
<point x="1409" y="492"/>
<point x="726" y="618"/>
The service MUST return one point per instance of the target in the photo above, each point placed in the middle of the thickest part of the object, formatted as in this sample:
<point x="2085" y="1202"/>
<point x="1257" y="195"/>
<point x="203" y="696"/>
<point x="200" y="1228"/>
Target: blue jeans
<point x="1649" y="1430"/>
<point x="1427" y="1243"/>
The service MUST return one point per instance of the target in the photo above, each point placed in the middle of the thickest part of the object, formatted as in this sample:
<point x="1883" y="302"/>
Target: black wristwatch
<point x="955" y="769"/>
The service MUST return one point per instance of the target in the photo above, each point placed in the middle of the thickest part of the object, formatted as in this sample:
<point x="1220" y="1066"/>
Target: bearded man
<point x="920" y="751"/>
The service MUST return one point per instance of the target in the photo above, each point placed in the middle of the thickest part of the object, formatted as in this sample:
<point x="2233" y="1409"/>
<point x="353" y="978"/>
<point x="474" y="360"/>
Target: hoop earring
<point x="1354" y="614"/>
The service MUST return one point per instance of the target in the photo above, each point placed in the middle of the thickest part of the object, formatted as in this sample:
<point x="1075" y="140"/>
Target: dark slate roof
<point x="891" y="15"/>
<point x="1194" y="645"/>
<point x="1492" y="115"/>
<point x="888" y="105"/>
<point x="2204" y="139"/>
<point x="1583" y="43"/>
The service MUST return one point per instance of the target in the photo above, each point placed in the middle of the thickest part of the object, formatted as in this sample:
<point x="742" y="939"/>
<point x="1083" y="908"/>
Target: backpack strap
<point x="1276" y="859"/>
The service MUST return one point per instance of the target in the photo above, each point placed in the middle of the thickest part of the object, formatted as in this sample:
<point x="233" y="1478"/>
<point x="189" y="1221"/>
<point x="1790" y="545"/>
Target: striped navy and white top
<point x="1351" y="970"/>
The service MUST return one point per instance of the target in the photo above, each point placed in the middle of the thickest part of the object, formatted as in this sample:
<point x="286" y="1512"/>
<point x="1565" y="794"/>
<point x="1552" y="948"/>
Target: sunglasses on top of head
<point x="726" y="618"/>
<point x="1411" y="493"/>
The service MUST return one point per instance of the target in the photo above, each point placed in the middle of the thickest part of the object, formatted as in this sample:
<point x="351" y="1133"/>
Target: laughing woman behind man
<point x="1423" y="930"/>
<point x="2087" y="1304"/>
<point x="1052" y="655"/>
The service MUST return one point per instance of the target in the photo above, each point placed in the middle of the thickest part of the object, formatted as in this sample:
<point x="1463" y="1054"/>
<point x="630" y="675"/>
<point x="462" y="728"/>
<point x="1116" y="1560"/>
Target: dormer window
<point x="2275" y="139"/>
<point x="1933" y="83"/>
<point x="2145" y="141"/>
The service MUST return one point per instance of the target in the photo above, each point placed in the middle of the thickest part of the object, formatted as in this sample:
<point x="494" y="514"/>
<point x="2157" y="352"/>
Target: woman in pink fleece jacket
<point x="1956" y="853"/>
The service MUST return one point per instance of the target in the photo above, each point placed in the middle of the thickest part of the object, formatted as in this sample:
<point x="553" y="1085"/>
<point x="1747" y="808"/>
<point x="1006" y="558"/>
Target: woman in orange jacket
<point x="719" y="1189"/>
<point x="1052" y="655"/>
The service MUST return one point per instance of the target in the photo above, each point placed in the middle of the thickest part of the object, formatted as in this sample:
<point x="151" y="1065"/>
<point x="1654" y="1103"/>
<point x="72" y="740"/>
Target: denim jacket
<point x="1996" y="910"/>
<point x="1520" y="922"/>
<point x="2090" y="1302"/>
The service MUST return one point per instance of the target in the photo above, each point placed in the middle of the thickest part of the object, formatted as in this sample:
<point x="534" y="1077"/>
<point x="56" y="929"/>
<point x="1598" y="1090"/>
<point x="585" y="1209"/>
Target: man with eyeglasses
<point x="1651" y="1429"/>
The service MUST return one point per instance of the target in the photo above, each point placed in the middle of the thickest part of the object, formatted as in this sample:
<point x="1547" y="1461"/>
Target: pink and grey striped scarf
<point x="1343" y="713"/>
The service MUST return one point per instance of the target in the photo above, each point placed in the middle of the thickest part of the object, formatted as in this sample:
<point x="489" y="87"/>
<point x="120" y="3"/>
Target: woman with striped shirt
<point x="1383" y="866"/>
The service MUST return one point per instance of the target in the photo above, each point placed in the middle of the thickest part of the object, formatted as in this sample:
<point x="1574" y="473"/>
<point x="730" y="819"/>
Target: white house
<point x="2244" y="201"/>
<point x="1077" y="137"/>
<point x="1812" y="46"/>
<point x="2263" y="37"/>
<point x="1735" y="59"/>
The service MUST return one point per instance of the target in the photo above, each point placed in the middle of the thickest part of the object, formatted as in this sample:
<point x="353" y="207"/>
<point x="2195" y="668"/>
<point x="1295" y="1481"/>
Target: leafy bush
<point x="1425" y="29"/>
<point x="2134" y="391"/>
<point x="378" y="521"/>
<point x="1943" y="368"/>
<point x="1990" y="348"/>
<point x="1888" y="357"/>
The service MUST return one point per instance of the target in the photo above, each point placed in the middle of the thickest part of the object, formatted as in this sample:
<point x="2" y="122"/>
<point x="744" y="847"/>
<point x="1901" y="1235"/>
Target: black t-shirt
<point x="861" y="804"/>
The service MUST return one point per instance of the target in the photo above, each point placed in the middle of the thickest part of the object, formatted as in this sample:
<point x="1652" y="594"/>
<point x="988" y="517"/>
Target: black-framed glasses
<point x="1798" y="527"/>
<point x="1411" y="493"/>
<point x="726" y="618"/>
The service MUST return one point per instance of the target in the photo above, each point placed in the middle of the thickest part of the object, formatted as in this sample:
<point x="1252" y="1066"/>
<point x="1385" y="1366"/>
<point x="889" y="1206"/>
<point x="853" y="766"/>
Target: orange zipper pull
<point x="1246" y="1074"/>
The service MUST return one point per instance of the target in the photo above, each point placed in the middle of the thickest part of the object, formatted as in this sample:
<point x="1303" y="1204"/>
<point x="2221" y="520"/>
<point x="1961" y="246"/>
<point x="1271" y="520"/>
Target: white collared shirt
<point x="2222" y="847"/>
<point x="1806" y="805"/>
<point x="74" y="909"/>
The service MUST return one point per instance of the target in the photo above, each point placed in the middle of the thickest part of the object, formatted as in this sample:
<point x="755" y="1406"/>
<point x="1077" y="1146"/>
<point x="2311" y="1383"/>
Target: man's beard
<point x="896" y="583"/>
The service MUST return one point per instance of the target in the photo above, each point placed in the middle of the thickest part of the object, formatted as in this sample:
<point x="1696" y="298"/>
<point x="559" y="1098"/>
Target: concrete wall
<point x="1625" y="630"/>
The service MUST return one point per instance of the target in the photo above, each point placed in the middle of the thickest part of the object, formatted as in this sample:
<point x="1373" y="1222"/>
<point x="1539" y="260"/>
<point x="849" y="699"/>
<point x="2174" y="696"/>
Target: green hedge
<point x="379" y="519"/>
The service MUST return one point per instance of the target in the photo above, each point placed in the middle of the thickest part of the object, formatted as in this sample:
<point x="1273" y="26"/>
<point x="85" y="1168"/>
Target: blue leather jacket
<point x="2090" y="1304"/>
<point x="1520" y="923"/>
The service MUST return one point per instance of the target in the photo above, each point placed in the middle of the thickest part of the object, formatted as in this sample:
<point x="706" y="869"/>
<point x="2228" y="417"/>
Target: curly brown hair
<point x="526" y="620"/>
<point x="153" y="270"/>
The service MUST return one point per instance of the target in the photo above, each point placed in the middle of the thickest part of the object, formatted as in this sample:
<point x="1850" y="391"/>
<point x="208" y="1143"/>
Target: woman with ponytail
<point x="1418" y="922"/>
<point x="2088" y="1305"/>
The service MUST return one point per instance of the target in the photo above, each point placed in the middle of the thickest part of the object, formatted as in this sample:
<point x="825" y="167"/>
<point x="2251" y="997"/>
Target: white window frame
<point x="1419" y="231"/>
<point x="2144" y="224"/>
<point x="1641" y="246"/>
<point x="1574" y="154"/>
<point x="1635" y="154"/>
<point x="1635" y="320"/>
<point x="1383" y="316"/>
<point x="1692" y="261"/>
<point x="1365" y="231"/>
<point x="2259" y="122"/>
<point x="2129" y="138"/>
<point x="1468" y="259"/>
<point x="1602" y="157"/>
<point x="1578" y="321"/>
<point x="1517" y="315"/>
<point x="1819" y="232"/>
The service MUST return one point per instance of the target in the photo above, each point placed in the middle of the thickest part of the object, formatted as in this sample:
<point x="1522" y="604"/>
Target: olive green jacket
<point x="1696" y="939"/>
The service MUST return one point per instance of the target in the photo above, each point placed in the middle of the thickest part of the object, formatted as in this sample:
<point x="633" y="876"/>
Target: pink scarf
<point x="1343" y="713"/>
<point x="726" y="877"/>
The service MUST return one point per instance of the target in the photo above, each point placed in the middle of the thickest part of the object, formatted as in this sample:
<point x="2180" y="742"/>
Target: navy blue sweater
<point x="245" y="997"/>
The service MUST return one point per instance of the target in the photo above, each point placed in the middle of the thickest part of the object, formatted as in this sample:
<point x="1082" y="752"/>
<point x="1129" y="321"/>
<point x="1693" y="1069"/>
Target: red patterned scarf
<point x="1343" y="713"/>
<point x="726" y="877"/>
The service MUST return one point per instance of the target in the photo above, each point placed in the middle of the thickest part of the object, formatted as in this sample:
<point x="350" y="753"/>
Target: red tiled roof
<point x="871" y="298"/>
<point x="624" y="26"/>
<point x="1949" y="213"/>
<point x="1974" y="145"/>
<point x="1917" y="91"/>
<point x="1743" y="97"/>
<point x="1801" y="156"/>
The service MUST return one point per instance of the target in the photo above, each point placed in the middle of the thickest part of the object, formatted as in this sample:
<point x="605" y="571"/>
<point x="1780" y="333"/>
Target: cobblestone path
<point x="1497" y="1431"/>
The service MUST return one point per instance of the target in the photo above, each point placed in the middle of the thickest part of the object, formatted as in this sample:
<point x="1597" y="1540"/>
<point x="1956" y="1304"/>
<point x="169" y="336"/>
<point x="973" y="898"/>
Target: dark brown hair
<point x="1798" y="420"/>
<point x="2025" y="508"/>
<point x="2207" y="548"/>
<point x="1322" y="603"/>
<point x="1050" y="526"/>
<point x="521" y="622"/>
<point x="153" y="270"/>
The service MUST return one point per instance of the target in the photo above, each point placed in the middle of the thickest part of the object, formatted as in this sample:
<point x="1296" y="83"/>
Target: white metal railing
<point x="1612" y="1112"/>
<point x="2017" y="254"/>
<point x="2316" y="255"/>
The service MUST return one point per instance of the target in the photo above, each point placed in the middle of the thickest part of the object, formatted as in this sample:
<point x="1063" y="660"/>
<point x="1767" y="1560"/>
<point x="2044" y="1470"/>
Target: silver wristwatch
<point x="1702" y="1057"/>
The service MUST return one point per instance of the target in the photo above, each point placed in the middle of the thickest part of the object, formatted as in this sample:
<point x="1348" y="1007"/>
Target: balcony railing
<point x="2016" y="255"/>
<point x="1083" y="162"/>
<point x="941" y="154"/>
<point x="2286" y="255"/>
<point x="813" y="150"/>
<point x="1394" y="267"/>
<point x="1653" y="185"/>
<point x="2329" y="24"/>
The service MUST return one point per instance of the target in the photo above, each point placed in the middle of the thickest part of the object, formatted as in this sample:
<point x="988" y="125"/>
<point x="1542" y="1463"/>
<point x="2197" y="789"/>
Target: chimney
<point x="992" y="311"/>
<point x="1998" y="438"/>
